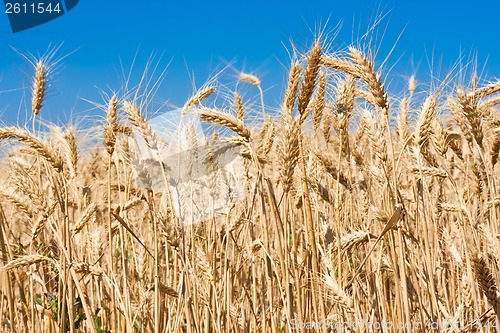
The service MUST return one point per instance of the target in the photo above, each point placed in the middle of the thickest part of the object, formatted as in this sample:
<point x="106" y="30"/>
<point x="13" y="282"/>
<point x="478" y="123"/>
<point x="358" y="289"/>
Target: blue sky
<point x="196" y="39"/>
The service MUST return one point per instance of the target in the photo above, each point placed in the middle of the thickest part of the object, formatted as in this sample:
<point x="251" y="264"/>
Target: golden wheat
<point x="340" y="220"/>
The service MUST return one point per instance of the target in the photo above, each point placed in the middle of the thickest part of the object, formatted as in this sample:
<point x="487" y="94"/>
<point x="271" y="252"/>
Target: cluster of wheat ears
<point x="356" y="215"/>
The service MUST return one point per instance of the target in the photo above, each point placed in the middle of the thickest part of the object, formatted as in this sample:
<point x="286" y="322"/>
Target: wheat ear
<point x="310" y="75"/>
<point x="238" y="103"/>
<point x="487" y="90"/>
<point x="289" y="154"/>
<point x="250" y="78"/>
<point x="495" y="146"/>
<point x="198" y="97"/>
<point x="339" y="64"/>
<point x="33" y="142"/>
<point x="468" y="108"/>
<point x="291" y="91"/>
<point x="423" y="131"/>
<point x="318" y="102"/>
<point x="138" y="120"/>
<point x="26" y="261"/>
<point x="402" y="126"/>
<point x="367" y="73"/>
<point x="111" y="125"/>
<point x="39" y="83"/>
<point x="267" y="136"/>
<point x="71" y="155"/>
<point x="485" y="280"/>
<point x="226" y="120"/>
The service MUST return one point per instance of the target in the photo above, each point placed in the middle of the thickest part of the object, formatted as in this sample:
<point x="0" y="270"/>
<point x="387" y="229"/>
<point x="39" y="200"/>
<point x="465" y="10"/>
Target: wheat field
<point x="364" y="211"/>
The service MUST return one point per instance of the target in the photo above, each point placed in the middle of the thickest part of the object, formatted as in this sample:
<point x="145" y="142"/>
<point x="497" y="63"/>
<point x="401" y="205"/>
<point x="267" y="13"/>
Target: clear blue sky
<point x="199" y="37"/>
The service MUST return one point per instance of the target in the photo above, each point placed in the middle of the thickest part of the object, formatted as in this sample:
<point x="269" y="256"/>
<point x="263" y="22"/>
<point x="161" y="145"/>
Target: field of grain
<point x="364" y="211"/>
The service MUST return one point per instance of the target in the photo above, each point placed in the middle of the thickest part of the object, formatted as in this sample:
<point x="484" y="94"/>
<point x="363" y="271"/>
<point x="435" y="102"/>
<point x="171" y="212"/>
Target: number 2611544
<point x="32" y="8"/>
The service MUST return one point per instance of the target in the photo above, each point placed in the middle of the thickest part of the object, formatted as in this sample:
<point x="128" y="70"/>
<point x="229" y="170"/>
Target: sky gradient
<point x="197" y="39"/>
